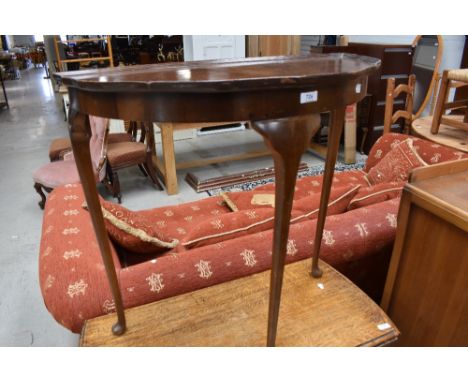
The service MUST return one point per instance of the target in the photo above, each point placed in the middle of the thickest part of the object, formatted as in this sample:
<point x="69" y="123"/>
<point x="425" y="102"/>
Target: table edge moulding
<point x="281" y="96"/>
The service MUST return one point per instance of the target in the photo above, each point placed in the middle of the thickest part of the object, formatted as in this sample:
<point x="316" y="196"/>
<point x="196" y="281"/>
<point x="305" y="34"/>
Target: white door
<point x="209" y="47"/>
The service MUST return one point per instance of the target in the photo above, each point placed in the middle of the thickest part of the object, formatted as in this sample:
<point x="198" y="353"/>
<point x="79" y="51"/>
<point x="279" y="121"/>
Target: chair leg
<point x="152" y="174"/>
<point x="38" y="188"/>
<point x="116" y="186"/>
<point x="142" y="168"/>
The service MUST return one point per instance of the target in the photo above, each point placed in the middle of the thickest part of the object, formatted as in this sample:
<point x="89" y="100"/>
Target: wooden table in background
<point x="168" y="166"/>
<point x="331" y="311"/>
<point x="281" y="97"/>
<point x="447" y="136"/>
<point x="426" y="292"/>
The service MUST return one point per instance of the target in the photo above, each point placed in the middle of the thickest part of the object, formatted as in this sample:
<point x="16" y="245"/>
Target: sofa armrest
<point x="72" y="276"/>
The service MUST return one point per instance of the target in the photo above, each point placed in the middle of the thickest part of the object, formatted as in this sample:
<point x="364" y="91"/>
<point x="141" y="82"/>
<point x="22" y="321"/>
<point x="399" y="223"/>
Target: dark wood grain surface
<point x="225" y="75"/>
<point x="281" y="96"/>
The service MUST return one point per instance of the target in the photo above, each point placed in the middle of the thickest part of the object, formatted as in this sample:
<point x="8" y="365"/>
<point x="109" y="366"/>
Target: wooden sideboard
<point x="396" y="62"/>
<point x="426" y="288"/>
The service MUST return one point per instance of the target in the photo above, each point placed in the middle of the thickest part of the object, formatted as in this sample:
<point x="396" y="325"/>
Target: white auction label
<point x="308" y="97"/>
<point x="358" y="88"/>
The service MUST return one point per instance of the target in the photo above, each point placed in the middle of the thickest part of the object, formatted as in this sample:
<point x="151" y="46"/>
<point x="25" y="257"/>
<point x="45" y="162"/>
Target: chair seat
<point x="124" y="154"/>
<point x="55" y="174"/>
<point x="62" y="144"/>
<point x="119" y="137"/>
<point x="458" y="75"/>
<point x="57" y="146"/>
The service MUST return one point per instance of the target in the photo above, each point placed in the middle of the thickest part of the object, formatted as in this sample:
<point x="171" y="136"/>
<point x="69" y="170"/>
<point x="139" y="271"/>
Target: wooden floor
<point x="330" y="311"/>
<point x="447" y="135"/>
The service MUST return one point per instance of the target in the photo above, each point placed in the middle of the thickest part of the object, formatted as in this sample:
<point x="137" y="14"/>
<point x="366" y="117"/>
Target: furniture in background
<point x="451" y="79"/>
<point x="343" y="315"/>
<point x="407" y="112"/>
<point x="4" y="102"/>
<point x="426" y="289"/>
<point x="273" y="45"/>
<point x="128" y="153"/>
<point x="349" y="137"/>
<point x="422" y="58"/>
<point x="83" y="59"/>
<point x="167" y="167"/>
<point x="396" y="62"/>
<point x="61" y="172"/>
<point x="287" y="122"/>
<point x="358" y="244"/>
<point x="447" y="135"/>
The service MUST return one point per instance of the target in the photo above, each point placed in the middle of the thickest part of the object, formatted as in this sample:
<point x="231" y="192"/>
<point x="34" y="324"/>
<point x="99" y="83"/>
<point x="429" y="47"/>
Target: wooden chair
<point x="60" y="146"/>
<point x="451" y="79"/>
<point x="137" y="152"/>
<point x="62" y="172"/>
<point x="407" y="113"/>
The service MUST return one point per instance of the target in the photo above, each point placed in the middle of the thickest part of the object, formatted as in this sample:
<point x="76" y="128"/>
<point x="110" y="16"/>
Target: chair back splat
<point x="406" y="113"/>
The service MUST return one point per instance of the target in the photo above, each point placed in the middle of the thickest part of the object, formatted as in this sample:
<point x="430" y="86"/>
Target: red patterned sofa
<point x="357" y="242"/>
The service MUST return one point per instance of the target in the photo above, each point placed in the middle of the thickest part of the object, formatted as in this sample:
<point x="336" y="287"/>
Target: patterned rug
<point x="312" y="170"/>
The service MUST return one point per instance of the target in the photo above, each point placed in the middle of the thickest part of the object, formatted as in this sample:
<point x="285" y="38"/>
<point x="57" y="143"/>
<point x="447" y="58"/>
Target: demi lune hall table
<point x="281" y="96"/>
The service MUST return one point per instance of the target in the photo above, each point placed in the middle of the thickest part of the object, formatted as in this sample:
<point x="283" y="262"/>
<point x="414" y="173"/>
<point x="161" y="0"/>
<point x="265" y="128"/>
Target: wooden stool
<point x="451" y="79"/>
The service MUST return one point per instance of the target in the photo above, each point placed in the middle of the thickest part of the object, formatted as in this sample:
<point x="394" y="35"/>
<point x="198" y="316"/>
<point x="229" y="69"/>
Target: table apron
<point x="217" y="107"/>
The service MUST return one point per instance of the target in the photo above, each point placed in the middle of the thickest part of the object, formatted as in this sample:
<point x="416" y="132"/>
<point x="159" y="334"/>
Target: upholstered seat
<point x="124" y="154"/>
<point x="57" y="173"/>
<point x="61" y="145"/>
<point x="58" y="146"/>
<point x="61" y="172"/>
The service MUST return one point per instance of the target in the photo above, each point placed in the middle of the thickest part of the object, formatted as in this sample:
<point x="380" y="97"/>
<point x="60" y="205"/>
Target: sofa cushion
<point x="430" y="152"/>
<point x="376" y="194"/>
<point x="309" y="185"/>
<point x="396" y="165"/>
<point x="133" y="231"/>
<point x="232" y="225"/>
<point x="248" y="221"/>
<point x="338" y="201"/>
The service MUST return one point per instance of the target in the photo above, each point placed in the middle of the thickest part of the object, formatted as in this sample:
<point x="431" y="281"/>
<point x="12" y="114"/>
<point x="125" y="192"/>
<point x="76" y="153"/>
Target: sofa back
<point x="430" y="152"/>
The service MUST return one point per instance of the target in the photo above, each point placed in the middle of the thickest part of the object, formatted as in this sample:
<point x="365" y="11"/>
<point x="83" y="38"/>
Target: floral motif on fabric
<point x="362" y="229"/>
<point x="436" y="157"/>
<point x="71" y="212"/>
<point x="181" y="231"/>
<point x="291" y="248"/>
<point x="328" y="237"/>
<point x="251" y="214"/>
<point x="49" y="282"/>
<point x="155" y="282"/>
<point x="392" y="219"/>
<point x="77" y="288"/>
<point x="204" y="269"/>
<point x="217" y="224"/>
<point x="71" y="231"/>
<point x="249" y="257"/>
<point x="72" y="254"/>
<point x="108" y="306"/>
<point x="47" y="252"/>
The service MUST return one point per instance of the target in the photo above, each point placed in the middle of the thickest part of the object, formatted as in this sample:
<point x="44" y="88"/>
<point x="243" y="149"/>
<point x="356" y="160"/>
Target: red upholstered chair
<point x="63" y="172"/>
